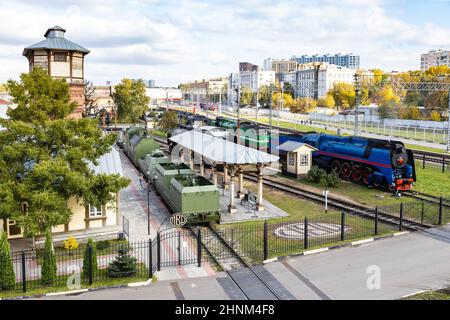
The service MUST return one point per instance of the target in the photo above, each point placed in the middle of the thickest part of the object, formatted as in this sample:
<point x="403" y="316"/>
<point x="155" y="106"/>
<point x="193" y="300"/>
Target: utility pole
<point x="238" y="128"/>
<point x="270" y="108"/>
<point x="357" y="89"/>
<point x="257" y="102"/>
<point x="448" y="127"/>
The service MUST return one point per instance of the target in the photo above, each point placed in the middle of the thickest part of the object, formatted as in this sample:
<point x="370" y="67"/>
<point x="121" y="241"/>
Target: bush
<point x="48" y="272"/>
<point x="70" y="244"/>
<point x="333" y="180"/>
<point x="103" y="245"/>
<point x="123" y="266"/>
<point x="90" y="244"/>
<point x="316" y="174"/>
<point x="7" y="276"/>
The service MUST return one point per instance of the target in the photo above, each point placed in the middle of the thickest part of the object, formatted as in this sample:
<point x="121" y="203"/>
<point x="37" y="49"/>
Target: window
<point x="94" y="211"/>
<point x="60" y="57"/>
<point x="304" y="160"/>
<point x="291" y="159"/>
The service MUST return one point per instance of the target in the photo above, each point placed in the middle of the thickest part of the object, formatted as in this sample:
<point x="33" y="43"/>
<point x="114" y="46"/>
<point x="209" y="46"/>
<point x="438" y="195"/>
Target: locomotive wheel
<point x="366" y="172"/>
<point x="336" y="166"/>
<point x="356" y="173"/>
<point x="346" y="170"/>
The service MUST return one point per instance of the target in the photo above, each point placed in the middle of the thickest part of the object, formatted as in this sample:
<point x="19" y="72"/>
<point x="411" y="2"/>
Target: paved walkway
<point x="403" y="265"/>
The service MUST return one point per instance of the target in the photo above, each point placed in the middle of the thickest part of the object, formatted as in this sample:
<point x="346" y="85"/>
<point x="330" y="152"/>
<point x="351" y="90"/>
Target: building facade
<point x="314" y="80"/>
<point x="434" y="58"/>
<point x="62" y="59"/>
<point x="350" y="61"/>
<point x="280" y="67"/>
<point x="247" y="67"/>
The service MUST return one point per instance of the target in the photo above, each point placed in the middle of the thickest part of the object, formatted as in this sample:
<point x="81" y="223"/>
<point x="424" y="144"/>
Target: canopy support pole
<point x="259" y="195"/>
<point x="240" y="193"/>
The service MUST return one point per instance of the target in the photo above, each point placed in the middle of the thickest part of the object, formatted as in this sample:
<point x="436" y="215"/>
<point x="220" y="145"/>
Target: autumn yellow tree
<point x="326" y="102"/>
<point x="343" y="94"/>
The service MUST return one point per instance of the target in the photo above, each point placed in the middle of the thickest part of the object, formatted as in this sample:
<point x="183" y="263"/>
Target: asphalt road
<point x="395" y="267"/>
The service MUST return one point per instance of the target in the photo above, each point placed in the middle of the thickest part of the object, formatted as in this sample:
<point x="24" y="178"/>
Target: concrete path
<point x="385" y="269"/>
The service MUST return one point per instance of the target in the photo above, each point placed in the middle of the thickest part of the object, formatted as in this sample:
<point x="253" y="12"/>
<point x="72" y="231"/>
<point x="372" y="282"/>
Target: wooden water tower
<point x="63" y="59"/>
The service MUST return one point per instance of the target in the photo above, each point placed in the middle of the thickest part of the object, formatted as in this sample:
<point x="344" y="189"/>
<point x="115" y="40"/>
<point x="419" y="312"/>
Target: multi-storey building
<point x="62" y="59"/>
<point x="201" y="90"/>
<point x="280" y="67"/>
<point x="314" y="80"/>
<point x="247" y="67"/>
<point x="350" y="61"/>
<point x="434" y="58"/>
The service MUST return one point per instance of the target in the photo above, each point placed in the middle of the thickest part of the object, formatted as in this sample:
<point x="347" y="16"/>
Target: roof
<point x="291" y="146"/>
<point x="55" y="40"/>
<point x="4" y="102"/>
<point x="109" y="163"/>
<point x="221" y="151"/>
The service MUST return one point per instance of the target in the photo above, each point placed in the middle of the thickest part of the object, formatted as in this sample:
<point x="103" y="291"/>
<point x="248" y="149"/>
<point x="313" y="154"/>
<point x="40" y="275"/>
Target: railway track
<point x="340" y="204"/>
<point x="428" y="198"/>
<point x="248" y="279"/>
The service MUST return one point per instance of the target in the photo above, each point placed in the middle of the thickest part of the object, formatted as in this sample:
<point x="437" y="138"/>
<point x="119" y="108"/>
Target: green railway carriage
<point x="136" y="145"/>
<point x="148" y="164"/>
<point x="187" y="193"/>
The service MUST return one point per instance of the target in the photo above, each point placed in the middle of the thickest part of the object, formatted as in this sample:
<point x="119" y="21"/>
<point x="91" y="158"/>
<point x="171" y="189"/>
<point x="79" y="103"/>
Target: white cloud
<point x="173" y="41"/>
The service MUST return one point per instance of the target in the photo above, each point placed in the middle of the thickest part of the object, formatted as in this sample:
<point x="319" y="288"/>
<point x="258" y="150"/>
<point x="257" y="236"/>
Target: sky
<point x="178" y="41"/>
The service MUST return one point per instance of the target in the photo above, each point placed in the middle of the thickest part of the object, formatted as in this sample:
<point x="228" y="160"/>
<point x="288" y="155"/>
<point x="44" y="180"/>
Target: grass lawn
<point x="101" y="279"/>
<point x="431" y="180"/>
<point x="290" y="125"/>
<point x="443" y="294"/>
<point x="247" y="237"/>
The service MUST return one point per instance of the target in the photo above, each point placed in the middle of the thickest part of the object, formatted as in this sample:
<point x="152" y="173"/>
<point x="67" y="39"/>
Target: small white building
<point x="298" y="158"/>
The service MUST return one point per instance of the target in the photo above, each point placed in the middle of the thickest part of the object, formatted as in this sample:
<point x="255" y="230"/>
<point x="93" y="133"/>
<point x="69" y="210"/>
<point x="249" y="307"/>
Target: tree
<point x="168" y="121"/>
<point x="303" y="105"/>
<point x="44" y="157"/>
<point x="131" y="99"/>
<point x="246" y="96"/>
<point x="289" y="89"/>
<point x="412" y="113"/>
<point x="387" y="101"/>
<point x="343" y="94"/>
<point x="264" y="95"/>
<point x="435" y="116"/>
<point x="2" y="87"/>
<point x="48" y="271"/>
<point x="326" y="102"/>
<point x="90" y="246"/>
<point x="124" y="265"/>
<point x="7" y="276"/>
<point x="39" y="98"/>
<point x="90" y="101"/>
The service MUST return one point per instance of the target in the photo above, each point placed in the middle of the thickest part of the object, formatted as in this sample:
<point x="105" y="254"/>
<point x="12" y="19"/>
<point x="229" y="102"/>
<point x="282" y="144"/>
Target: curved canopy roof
<point x="221" y="151"/>
<point x="55" y="41"/>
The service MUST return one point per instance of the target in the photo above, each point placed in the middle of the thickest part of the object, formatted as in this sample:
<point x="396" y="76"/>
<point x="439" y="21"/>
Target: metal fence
<point x="433" y="135"/>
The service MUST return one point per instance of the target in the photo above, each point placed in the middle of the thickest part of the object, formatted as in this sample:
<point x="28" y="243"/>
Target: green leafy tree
<point x="48" y="270"/>
<point x="168" y="121"/>
<point x="131" y="99"/>
<point x="316" y="174"/>
<point x="93" y="248"/>
<point x="246" y="96"/>
<point x="332" y="179"/>
<point x="124" y="265"/>
<point x="44" y="157"/>
<point x="7" y="276"/>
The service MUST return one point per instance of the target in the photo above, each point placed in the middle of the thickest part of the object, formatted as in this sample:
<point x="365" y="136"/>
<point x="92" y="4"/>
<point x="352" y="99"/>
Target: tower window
<point x="60" y="57"/>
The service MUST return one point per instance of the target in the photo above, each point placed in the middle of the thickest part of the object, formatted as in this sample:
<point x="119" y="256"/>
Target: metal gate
<point x="178" y="246"/>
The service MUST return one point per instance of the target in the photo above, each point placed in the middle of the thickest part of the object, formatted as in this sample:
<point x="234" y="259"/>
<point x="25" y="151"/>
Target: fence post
<point x="150" y="259"/>
<point x="266" y="240"/>
<point x="90" y="265"/>
<point x="423" y="165"/>
<point x="422" y="213"/>
<point x="158" y="250"/>
<point x="376" y="221"/>
<point x="179" y="248"/>
<point x="24" y="274"/>
<point x="443" y="164"/>
<point x="400" y="226"/>
<point x="305" y="227"/>
<point x="441" y="203"/>
<point x="199" y="248"/>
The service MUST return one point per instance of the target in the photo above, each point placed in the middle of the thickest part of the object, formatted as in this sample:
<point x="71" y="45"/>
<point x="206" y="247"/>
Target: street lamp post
<point x="141" y="182"/>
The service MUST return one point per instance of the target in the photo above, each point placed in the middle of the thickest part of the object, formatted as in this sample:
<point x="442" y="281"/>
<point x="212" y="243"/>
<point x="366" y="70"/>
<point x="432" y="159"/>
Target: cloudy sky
<point x="175" y="41"/>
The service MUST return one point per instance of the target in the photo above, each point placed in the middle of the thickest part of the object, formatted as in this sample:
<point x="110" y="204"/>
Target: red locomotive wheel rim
<point x="356" y="173"/>
<point x="336" y="166"/>
<point x="366" y="174"/>
<point x="346" y="170"/>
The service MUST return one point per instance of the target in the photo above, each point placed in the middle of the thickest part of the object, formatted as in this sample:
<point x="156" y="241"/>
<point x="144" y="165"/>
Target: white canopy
<point x="221" y="151"/>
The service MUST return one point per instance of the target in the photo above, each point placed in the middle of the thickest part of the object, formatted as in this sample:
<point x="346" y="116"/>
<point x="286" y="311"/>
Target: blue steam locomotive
<point x="373" y="162"/>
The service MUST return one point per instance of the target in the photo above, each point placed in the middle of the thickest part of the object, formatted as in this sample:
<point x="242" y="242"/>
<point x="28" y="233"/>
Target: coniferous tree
<point x="7" y="276"/>
<point x="90" y="244"/>
<point x="48" y="269"/>
<point x="124" y="265"/>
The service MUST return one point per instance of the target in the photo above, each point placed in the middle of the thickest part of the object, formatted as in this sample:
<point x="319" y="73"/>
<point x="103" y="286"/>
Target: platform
<point x="244" y="212"/>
